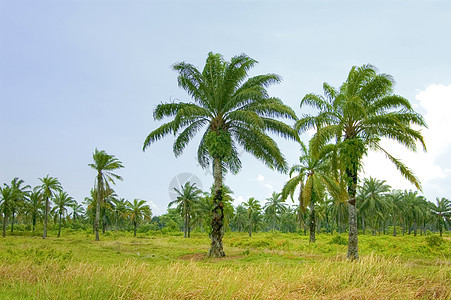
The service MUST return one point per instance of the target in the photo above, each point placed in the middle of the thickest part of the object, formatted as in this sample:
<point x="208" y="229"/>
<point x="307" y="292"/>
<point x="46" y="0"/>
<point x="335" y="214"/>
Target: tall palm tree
<point x="372" y="201"/>
<point x="7" y="196"/>
<point x="188" y="195"/>
<point x="62" y="200"/>
<point x="357" y="116"/>
<point x="232" y="110"/>
<point x="253" y="206"/>
<point x="441" y="210"/>
<point x="104" y="164"/>
<point x="20" y="193"/>
<point x="273" y="208"/>
<point x="137" y="211"/>
<point x="315" y="169"/>
<point x="49" y="186"/>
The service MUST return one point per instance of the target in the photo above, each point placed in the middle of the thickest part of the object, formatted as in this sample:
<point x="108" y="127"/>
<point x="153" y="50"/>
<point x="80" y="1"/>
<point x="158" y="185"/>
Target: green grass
<point x="265" y="266"/>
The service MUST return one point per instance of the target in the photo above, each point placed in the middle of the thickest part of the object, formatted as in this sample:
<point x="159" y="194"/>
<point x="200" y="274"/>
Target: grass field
<point x="265" y="266"/>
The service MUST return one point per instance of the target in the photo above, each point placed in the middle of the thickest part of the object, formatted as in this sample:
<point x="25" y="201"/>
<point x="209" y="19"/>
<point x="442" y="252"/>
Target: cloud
<point x="435" y="100"/>
<point x="260" y="177"/>
<point x="269" y="186"/>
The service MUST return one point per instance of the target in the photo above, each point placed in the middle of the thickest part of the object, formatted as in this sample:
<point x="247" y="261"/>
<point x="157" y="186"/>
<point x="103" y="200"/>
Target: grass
<point x="265" y="266"/>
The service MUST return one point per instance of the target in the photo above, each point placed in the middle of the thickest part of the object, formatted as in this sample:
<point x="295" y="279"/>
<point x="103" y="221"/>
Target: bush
<point x="434" y="241"/>
<point x="339" y="240"/>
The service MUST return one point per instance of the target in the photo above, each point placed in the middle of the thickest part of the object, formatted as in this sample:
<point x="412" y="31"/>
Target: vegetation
<point x="404" y="238"/>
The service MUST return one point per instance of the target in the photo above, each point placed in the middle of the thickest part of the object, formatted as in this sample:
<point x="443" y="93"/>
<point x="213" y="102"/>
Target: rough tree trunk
<point x="46" y="217"/>
<point x="216" y="249"/>
<point x="99" y="200"/>
<point x="312" y="222"/>
<point x="5" y="221"/>
<point x="59" y="227"/>
<point x="353" y="248"/>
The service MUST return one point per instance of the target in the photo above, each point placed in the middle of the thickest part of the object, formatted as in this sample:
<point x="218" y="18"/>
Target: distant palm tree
<point x="18" y="200"/>
<point x="104" y="164"/>
<point x="77" y="210"/>
<point x="62" y="200"/>
<point x="239" y="218"/>
<point x="49" y="186"/>
<point x="314" y="175"/>
<point x="273" y="208"/>
<point x="441" y="210"/>
<point x="7" y="196"/>
<point x="415" y="206"/>
<point x="34" y="207"/>
<point x="372" y="200"/>
<point x="120" y="211"/>
<point x="357" y="116"/>
<point x="232" y="110"/>
<point x="188" y="195"/>
<point x="253" y="206"/>
<point x="396" y="204"/>
<point x="137" y="211"/>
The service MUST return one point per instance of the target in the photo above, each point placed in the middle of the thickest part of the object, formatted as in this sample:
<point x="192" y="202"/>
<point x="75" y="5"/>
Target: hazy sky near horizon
<point x="80" y="75"/>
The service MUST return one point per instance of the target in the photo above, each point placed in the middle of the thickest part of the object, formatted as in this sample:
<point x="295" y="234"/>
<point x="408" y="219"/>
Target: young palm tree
<point x="273" y="208"/>
<point x="137" y="211"/>
<point x="231" y="109"/>
<point x="120" y="211"/>
<point x="239" y="218"/>
<point x="187" y="197"/>
<point x="315" y="169"/>
<point x="253" y="206"/>
<point x="49" y="186"/>
<point x="77" y="210"/>
<point x="34" y="206"/>
<point x="357" y="117"/>
<point x="104" y="164"/>
<point x="7" y="196"/>
<point x="441" y="210"/>
<point x="19" y="197"/>
<point x="62" y="200"/>
<point x="415" y="206"/>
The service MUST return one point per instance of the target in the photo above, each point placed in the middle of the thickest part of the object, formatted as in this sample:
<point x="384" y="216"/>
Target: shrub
<point x="339" y="240"/>
<point x="434" y="241"/>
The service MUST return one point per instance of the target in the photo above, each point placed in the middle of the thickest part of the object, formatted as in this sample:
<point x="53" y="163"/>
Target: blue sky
<point x="80" y="75"/>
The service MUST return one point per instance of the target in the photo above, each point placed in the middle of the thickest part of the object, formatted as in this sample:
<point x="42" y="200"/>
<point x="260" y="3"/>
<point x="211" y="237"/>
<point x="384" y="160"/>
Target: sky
<point x="80" y="75"/>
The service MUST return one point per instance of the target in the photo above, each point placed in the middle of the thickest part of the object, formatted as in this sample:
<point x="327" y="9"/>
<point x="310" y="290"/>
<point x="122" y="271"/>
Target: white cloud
<point x="260" y="177"/>
<point x="269" y="186"/>
<point x="436" y="101"/>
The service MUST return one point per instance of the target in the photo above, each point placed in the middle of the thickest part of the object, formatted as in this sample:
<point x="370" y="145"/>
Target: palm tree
<point x="415" y="206"/>
<point x="77" y="210"/>
<point x="138" y="211"/>
<point x="315" y="169"/>
<point x="120" y="210"/>
<point x="188" y="195"/>
<point x="273" y="208"/>
<point x="396" y="204"/>
<point x="62" y="200"/>
<point x="253" y="206"/>
<point x="232" y="111"/>
<point x="357" y="117"/>
<point x="239" y="218"/>
<point x="104" y="164"/>
<point x="372" y="201"/>
<point x="441" y="210"/>
<point x="7" y="196"/>
<point x="34" y="206"/>
<point x="49" y="186"/>
<point x="18" y="200"/>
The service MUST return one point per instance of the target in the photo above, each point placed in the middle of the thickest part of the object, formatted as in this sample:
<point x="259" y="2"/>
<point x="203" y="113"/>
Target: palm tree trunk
<point x="59" y="227"/>
<point x="312" y="222"/>
<point x="5" y="221"/>
<point x="216" y="249"/>
<point x="12" y="222"/>
<point x="415" y="228"/>
<point x="34" y="222"/>
<point x="363" y="225"/>
<point x="250" y="225"/>
<point x="394" y="226"/>
<point x="134" y="228"/>
<point x="353" y="248"/>
<point x="46" y="215"/>
<point x="99" y="200"/>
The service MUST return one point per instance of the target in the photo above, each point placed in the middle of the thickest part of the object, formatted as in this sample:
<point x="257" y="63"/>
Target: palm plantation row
<point x="231" y="110"/>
